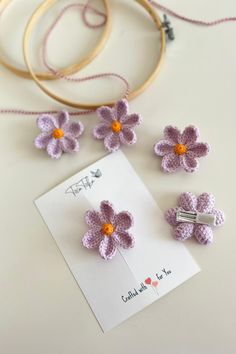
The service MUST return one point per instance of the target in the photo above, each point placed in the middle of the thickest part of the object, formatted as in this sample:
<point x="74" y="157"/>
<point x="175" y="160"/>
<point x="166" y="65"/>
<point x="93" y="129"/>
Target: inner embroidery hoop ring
<point x="71" y="69"/>
<point x="39" y="12"/>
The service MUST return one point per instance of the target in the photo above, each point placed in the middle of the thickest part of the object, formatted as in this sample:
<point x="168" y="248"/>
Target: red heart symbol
<point x="155" y="283"/>
<point x="148" y="281"/>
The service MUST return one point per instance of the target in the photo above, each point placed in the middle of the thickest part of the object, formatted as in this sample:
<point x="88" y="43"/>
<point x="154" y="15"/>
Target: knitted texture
<point x="58" y="134"/>
<point x="116" y="126"/>
<point x="119" y="224"/>
<point x="180" y="150"/>
<point x="203" y="204"/>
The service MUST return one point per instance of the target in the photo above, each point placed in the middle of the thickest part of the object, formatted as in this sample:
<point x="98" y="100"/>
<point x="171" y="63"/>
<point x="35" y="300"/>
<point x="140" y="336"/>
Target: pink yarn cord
<point x="85" y="7"/>
<point x="89" y="8"/>
<point x="84" y="16"/>
<point x="30" y="113"/>
<point x="190" y="20"/>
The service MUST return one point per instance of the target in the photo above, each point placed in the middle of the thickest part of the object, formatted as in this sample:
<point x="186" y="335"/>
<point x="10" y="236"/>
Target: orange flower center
<point x="107" y="229"/>
<point x="180" y="149"/>
<point x="116" y="126"/>
<point x="58" y="133"/>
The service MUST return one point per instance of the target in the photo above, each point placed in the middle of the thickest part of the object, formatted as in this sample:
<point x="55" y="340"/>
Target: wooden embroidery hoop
<point x="33" y="20"/>
<point x="71" y="69"/>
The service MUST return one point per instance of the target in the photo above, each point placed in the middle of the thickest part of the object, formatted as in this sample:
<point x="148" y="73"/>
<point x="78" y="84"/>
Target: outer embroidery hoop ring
<point x="71" y="69"/>
<point x="147" y="6"/>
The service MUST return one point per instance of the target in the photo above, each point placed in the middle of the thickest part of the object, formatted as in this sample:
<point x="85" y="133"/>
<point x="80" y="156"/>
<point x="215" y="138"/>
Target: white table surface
<point x="42" y="310"/>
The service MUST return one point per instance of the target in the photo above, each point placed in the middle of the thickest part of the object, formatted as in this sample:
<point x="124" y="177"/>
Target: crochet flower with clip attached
<point x="117" y="125"/>
<point x="193" y="208"/>
<point x="180" y="150"/>
<point x="107" y="230"/>
<point x="58" y="134"/>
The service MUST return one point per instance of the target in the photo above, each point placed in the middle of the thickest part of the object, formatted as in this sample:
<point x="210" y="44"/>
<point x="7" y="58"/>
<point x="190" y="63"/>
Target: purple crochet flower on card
<point x="58" y="134"/>
<point x="202" y="204"/>
<point x="107" y="230"/>
<point x="180" y="150"/>
<point x="117" y="125"/>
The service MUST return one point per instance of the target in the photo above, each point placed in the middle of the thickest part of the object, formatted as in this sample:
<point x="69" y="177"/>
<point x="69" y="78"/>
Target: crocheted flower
<point x="107" y="230"/>
<point x="117" y="125"/>
<point x="58" y="134"/>
<point x="180" y="150"/>
<point x="203" y="204"/>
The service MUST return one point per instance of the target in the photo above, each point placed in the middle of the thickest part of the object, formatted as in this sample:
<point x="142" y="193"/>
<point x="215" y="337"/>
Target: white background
<point x="42" y="309"/>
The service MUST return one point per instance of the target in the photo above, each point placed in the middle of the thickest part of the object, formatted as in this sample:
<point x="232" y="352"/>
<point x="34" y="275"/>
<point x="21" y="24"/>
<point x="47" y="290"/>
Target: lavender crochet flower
<point x="203" y="204"/>
<point x="107" y="230"/>
<point x="58" y="134"/>
<point x="180" y="150"/>
<point x="117" y="125"/>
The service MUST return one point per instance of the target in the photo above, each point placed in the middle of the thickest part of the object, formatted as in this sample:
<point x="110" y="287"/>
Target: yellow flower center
<point x="58" y="133"/>
<point x="116" y="126"/>
<point x="107" y="229"/>
<point x="180" y="149"/>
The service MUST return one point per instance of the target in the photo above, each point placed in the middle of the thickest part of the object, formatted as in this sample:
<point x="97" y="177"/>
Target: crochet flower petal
<point x="42" y="140"/>
<point x="101" y="131"/>
<point x="112" y="142"/>
<point x="54" y="148"/>
<point x="170" y="216"/>
<point x="63" y="118"/>
<point x="200" y="149"/>
<point x="92" y="239"/>
<point x="163" y="147"/>
<point x="107" y="211"/>
<point x="106" y="113"/>
<point x="205" y="203"/>
<point x="131" y="120"/>
<point x="183" y="231"/>
<point x="69" y="143"/>
<point x="189" y="136"/>
<point x="76" y="129"/>
<point x="188" y="201"/>
<point x="123" y="220"/>
<point x="219" y="216"/>
<point x="107" y="248"/>
<point x="172" y="134"/>
<point x="123" y="239"/>
<point x="128" y="136"/>
<point x="93" y="219"/>
<point x="203" y="234"/>
<point x="170" y="162"/>
<point x="47" y="123"/>
<point x="121" y="109"/>
<point x="189" y="162"/>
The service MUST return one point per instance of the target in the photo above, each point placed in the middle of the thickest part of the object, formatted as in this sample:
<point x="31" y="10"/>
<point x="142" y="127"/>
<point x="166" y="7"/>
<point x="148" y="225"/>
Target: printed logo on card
<point x="84" y="183"/>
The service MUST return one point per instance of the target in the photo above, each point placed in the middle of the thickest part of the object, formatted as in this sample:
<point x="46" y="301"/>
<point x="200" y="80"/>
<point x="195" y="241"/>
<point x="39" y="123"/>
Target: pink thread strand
<point x="87" y="7"/>
<point x="30" y="113"/>
<point x="190" y="20"/>
<point x="84" y="16"/>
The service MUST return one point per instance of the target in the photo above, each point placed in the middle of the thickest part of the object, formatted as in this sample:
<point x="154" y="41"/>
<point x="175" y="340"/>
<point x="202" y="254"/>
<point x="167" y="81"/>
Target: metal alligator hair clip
<point x="195" y="217"/>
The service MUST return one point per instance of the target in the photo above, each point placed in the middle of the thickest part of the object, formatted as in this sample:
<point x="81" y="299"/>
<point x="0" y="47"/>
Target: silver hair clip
<point x="195" y="217"/>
